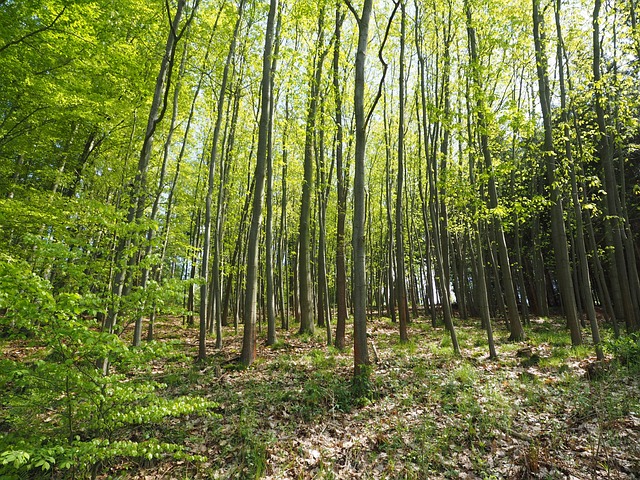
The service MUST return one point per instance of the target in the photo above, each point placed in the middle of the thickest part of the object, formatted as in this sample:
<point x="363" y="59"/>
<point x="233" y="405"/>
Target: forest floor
<point x="542" y="410"/>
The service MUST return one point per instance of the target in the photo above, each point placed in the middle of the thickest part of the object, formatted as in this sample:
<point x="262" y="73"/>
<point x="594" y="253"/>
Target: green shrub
<point x="626" y="350"/>
<point x="58" y="410"/>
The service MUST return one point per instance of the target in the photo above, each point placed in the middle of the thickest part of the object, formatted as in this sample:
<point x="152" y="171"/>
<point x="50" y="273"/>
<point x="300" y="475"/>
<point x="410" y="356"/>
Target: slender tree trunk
<point x="307" y="322"/>
<point x="270" y="300"/>
<point x="431" y="296"/>
<point x="432" y="172"/>
<point x="137" y="331"/>
<point x="284" y="259"/>
<point x="391" y="271"/>
<point x="620" y="280"/>
<point x="558" y="232"/>
<point x="401" y="288"/>
<point x="341" y="177"/>
<point x="360" y="350"/>
<point x="515" y="325"/>
<point x="138" y="193"/>
<point x="586" y="290"/>
<point x="248" y="354"/>
<point x="213" y="161"/>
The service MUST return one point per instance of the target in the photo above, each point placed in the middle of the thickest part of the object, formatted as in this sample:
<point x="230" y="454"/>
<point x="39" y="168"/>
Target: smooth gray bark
<point x="558" y="232"/>
<point x="248" y="354"/>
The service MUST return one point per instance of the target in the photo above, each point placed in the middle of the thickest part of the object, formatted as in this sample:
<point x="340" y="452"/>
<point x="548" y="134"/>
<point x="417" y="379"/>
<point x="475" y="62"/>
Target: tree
<point x="558" y="233"/>
<point x="213" y="164"/>
<point x="304" y="255"/>
<point x="401" y="288"/>
<point x="342" y="176"/>
<point x="248" y="354"/>
<point x="137" y="195"/>
<point x="517" y="332"/>
<point x="360" y="350"/>
<point x="585" y="284"/>
<point x="271" y="314"/>
<point x="621" y="280"/>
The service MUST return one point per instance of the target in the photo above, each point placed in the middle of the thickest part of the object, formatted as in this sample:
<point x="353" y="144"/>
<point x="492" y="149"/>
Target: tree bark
<point x="401" y="288"/>
<point x="248" y="354"/>
<point x="307" y="322"/>
<point x="360" y="350"/>
<point x="558" y="232"/>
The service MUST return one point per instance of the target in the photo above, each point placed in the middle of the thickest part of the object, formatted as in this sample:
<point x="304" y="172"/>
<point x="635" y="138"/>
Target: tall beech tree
<point x="270" y="294"/>
<point x="441" y="276"/>
<point x="360" y="349"/>
<point x="137" y="196"/>
<point x="248" y="354"/>
<point x="515" y="325"/>
<point x="307" y="321"/>
<point x="558" y="233"/>
<point x="342" y="176"/>
<point x="585" y="286"/>
<point x="208" y="216"/>
<point x="621" y="281"/>
<point x="401" y="288"/>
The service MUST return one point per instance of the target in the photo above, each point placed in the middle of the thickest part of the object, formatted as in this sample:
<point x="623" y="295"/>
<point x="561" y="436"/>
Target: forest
<point x="319" y="239"/>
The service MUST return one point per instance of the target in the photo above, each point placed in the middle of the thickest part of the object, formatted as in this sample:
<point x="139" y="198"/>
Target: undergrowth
<point x="419" y="410"/>
<point x="60" y="414"/>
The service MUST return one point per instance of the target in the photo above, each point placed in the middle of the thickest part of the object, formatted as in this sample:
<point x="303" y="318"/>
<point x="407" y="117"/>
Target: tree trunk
<point x="515" y="325"/>
<point x="138" y="189"/>
<point x="270" y="300"/>
<point x="342" y="180"/>
<point x="360" y="350"/>
<point x="620" y="280"/>
<point x="208" y="209"/>
<point x="401" y="288"/>
<point x="248" y="354"/>
<point x="307" y="322"/>
<point x="585" y="284"/>
<point x="558" y="232"/>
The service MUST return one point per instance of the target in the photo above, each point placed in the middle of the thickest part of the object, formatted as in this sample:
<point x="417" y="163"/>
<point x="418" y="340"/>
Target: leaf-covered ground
<point x="542" y="410"/>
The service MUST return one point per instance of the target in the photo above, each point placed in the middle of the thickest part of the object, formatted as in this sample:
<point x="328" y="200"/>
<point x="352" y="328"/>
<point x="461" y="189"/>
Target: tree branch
<point x="35" y="32"/>
<point x="353" y="10"/>
<point x="383" y="62"/>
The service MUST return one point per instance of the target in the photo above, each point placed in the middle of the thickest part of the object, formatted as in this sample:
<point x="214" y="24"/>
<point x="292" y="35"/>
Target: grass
<point x="428" y="413"/>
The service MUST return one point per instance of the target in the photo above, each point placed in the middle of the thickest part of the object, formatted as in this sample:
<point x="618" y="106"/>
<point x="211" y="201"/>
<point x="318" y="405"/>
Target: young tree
<point x="585" y="284"/>
<point x="268" y="242"/>
<point x="621" y="282"/>
<point x="304" y="256"/>
<point x="248" y="354"/>
<point x="213" y="164"/>
<point x="515" y="325"/>
<point x="360" y="350"/>
<point x="139" y="185"/>
<point x="401" y="288"/>
<point x="558" y="232"/>
<point x="342" y="175"/>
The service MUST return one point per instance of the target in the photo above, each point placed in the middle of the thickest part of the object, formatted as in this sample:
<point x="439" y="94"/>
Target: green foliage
<point x="326" y="392"/>
<point x="61" y="411"/>
<point x="626" y="350"/>
<point x="82" y="458"/>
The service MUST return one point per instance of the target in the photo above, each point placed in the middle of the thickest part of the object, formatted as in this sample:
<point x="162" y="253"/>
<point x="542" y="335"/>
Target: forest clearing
<point x="319" y="239"/>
